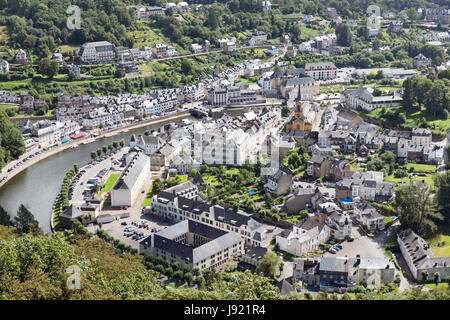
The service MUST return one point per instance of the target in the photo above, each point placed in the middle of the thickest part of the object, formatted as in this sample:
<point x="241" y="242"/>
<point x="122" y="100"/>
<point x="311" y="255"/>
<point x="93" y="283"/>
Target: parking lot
<point x="363" y="245"/>
<point x="116" y="228"/>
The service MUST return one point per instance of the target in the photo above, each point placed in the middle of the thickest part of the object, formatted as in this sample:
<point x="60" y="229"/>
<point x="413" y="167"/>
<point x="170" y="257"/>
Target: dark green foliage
<point x="11" y="141"/>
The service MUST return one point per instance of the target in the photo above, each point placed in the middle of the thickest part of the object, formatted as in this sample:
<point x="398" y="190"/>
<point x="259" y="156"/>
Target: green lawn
<point x="440" y="285"/>
<point x="148" y="196"/>
<point x="443" y="250"/>
<point x="109" y="183"/>
<point x="422" y="168"/>
<point x="8" y="106"/>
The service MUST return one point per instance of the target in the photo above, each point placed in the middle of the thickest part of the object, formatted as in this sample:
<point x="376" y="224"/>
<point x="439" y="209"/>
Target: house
<point x="330" y="12"/>
<point x="369" y="217"/>
<point x="336" y="169"/>
<point x="149" y="144"/>
<point x="131" y="180"/>
<point x="317" y="166"/>
<point x="298" y="201"/>
<point x="257" y="38"/>
<point x="341" y="274"/>
<point x="250" y="260"/>
<point x="4" y="66"/>
<point x="186" y="190"/>
<point x="196" y="48"/>
<point x="162" y="157"/>
<point x="340" y="225"/>
<point x="420" y="60"/>
<point x="58" y="57"/>
<point x="21" y="57"/>
<point x="396" y="26"/>
<point x="280" y="182"/>
<point x="420" y="258"/>
<point x="421" y="136"/>
<point x="321" y="70"/>
<point x="194" y="244"/>
<point x="305" y="236"/>
<point x="100" y="52"/>
<point x="366" y="185"/>
<point x="84" y="212"/>
<point x="307" y="19"/>
<point x="183" y="7"/>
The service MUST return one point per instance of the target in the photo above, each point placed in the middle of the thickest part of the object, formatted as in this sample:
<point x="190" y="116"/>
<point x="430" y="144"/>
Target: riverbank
<point x="60" y="148"/>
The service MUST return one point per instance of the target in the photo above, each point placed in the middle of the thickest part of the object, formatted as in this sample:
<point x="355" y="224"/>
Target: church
<point x="299" y="121"/>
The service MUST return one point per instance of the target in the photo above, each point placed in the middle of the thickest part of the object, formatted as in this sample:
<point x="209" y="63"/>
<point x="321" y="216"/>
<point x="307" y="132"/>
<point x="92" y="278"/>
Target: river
<point x="37" y="186"/>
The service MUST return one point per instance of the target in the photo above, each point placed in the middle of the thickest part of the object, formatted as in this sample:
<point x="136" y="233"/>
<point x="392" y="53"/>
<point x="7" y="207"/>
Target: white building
<point x="97" y="52"/>
<point x="304" y="237"/>
<point x="364" y="99"/>
<point x="131" y="180"/>
<point x="321" y="70"/>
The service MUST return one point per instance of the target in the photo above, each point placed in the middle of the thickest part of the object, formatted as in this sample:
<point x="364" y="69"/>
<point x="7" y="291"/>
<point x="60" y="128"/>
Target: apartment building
<point x="321" y="70"/>
<point x="100" y="52"/>
<point x="195" y="244"/>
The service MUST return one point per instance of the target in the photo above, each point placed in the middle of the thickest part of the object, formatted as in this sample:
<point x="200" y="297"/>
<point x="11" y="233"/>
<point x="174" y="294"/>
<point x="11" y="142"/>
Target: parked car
<point x="332" y="251"/>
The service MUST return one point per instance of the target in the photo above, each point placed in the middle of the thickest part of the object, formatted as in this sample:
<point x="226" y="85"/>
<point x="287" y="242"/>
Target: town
<point x="324" y="173"/>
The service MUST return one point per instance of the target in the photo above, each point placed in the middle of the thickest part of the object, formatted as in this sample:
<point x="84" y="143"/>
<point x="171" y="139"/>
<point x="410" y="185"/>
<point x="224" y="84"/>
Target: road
<point x="93" y="171"/>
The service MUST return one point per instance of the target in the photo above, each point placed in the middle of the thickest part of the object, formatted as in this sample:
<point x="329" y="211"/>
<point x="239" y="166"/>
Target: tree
<point x="5" y="218"/>
<point x="168" y="271"/>
<point x="269" y="264"/>
<point x="122" y="143"/>
<point x="188" y="277"/>
<point x="99" y="152"/>
<point x="156" y="186"/>
<point x="93" y="155"/>
<point x="438" y="98"/>
<point x="285" y="110"/>
<point x="49" y="67"/>
<point x="442" y="183"/>
<point x="437" y="278"/>
<point x="424" y="276"/>
<point x="76" y="168"/>
<point x="25" y="222"/>
<point x="105" y="149"/>
<point x="344" y="35"/>
<point x="416" y="209"/>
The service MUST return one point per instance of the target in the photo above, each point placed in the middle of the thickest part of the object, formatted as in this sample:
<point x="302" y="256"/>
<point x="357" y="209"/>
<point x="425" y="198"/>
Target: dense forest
<point x="11" y="141"/>
<point x="40" y="25"/>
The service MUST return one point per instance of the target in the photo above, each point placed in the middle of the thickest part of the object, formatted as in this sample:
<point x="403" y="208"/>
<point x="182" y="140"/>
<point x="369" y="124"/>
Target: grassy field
<point x="440" y="245"/>
<point x="433" y="285"/>
<point x="148" y="196"/>
<point x="109" y="183"/>
<point x="422" y="168"/>
<point x="67" y="48"/>
<point x="8" y="106"/>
